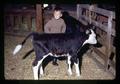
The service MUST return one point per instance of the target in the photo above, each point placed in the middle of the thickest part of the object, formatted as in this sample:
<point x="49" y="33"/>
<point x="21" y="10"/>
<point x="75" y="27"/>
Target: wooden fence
<point x="19" y="19"/>
<point x="104" y="21"/>
<point x="23" y="20"/>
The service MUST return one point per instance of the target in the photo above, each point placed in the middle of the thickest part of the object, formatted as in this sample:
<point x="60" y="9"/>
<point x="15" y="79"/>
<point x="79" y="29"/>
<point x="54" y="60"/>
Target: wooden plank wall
<point x="106" y="31"/>
<point x="21" y="19"/>
<point x="16" y="19"/>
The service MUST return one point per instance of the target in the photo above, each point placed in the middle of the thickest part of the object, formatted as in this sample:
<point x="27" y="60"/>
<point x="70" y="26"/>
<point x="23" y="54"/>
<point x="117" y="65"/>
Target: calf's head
<point x="92" y="37"/>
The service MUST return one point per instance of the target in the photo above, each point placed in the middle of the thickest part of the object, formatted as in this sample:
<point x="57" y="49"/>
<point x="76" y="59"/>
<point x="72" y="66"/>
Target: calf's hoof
<point x="41" y="75"/>
<point x="69" y="73"/>
<point x="35" y="78"/>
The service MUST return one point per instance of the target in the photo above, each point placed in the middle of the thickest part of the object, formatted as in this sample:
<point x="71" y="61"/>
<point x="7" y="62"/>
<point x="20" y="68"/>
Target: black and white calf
<point x="58" y="45"/>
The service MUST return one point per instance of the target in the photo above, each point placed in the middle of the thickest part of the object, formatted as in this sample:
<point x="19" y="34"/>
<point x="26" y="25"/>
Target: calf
<point x="58" y="45"/>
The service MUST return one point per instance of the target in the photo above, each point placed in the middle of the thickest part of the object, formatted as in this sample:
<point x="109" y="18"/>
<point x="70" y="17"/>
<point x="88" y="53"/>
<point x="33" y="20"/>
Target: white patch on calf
<point x="77" y="69"/>
<point x="55" y="55"/>
<point x="93" y="33"/>
<point x="91" y="39"/>
<point x="17" y="49"/>
<point x="35" y="72"/>
<point x="69" y="64"/>
<point x="41" y="70"/>
<point x="45" y="5"/>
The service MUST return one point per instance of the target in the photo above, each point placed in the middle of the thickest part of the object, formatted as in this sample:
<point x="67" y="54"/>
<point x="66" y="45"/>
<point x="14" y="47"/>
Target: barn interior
<point x="99" y="62"/>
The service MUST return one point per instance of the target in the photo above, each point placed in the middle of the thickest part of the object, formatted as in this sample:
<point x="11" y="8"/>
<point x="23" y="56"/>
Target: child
<point x="55" y="25"/>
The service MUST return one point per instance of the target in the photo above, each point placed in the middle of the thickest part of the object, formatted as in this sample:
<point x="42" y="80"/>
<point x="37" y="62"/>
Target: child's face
<point x="57" y="14"/>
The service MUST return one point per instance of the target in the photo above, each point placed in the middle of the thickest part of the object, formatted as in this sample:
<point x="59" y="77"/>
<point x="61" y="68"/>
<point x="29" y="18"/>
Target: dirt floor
<point x="15" y="68"/>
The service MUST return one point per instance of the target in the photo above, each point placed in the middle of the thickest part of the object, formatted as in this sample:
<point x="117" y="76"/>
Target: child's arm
<point x="63" y="29"/>
<point x="47" y="28"/>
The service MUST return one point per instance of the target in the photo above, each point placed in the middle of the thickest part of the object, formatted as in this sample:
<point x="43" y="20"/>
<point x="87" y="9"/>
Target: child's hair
<point x="58" y="9"/>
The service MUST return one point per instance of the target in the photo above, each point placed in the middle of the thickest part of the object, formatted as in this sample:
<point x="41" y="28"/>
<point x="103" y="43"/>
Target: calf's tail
<point x="19" y="46"/>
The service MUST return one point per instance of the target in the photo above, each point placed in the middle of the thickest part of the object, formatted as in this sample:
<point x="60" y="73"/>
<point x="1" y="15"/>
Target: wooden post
<point x="79" y="11"/>
<point x="16" y="22"/>
<point x="12" y="22"/>
<point x="79" y="14"/>
<point x="39" y="23"/>
<point x="19" y="21"/>
<point x="90" y="13"/>
<point x="29" y="22"/>
<point x="108" y="42"/>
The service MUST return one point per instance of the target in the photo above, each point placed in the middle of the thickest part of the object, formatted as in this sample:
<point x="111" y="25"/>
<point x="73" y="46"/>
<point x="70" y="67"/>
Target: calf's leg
<point x="77" y="67"/>
<point x="69" y="64"/>
<point x="35" y="68"/>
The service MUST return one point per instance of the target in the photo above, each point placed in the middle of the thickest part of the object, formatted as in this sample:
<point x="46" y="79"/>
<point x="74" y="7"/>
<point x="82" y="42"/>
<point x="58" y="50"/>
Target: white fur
<point x="91" y="39"/>
<point x="41" y="71"/>
<point x="92" y="32"/>
<point x="55" y="55"/>
<point x="77" y="69"/>
<point x="17" y="49"/>
<point x="69" y="65"/>
<point x="45" y="5"/>
<point x="35" y="72"/>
